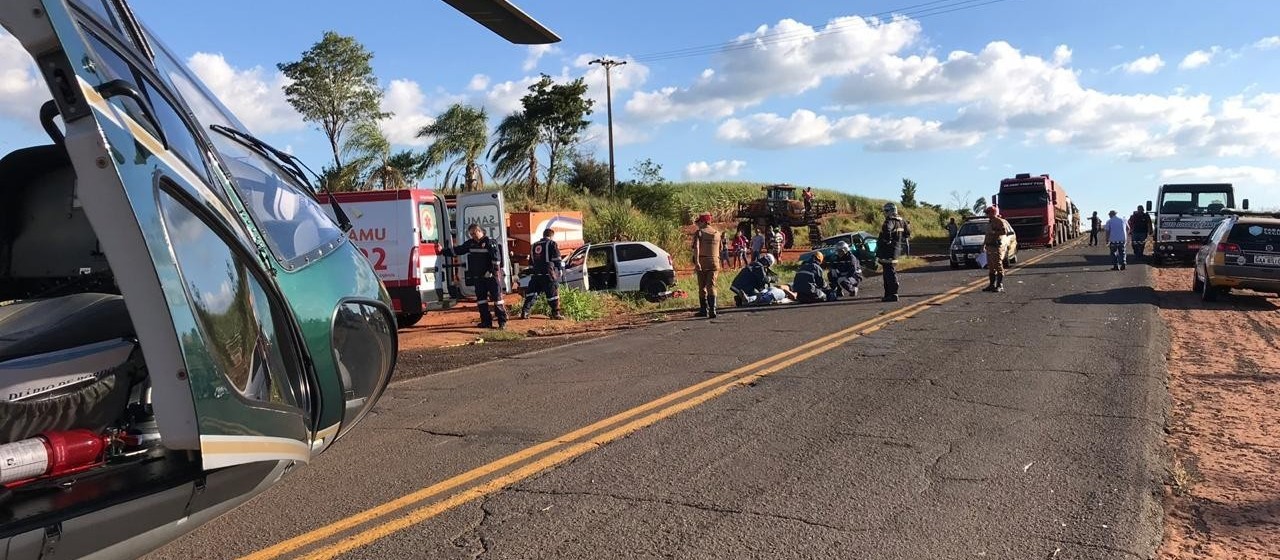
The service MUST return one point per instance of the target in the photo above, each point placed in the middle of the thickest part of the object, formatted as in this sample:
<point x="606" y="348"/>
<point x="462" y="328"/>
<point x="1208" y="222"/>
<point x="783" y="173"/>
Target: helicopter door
<point x="488" y="209"/>
<point x="224" y="357"/>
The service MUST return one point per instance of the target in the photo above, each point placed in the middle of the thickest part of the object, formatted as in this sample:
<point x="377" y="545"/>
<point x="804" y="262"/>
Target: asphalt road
<point x="953" y="424"/>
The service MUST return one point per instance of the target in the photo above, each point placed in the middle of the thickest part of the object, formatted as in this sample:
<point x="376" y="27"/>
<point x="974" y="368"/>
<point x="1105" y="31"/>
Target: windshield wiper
<point x="291" y="164"/>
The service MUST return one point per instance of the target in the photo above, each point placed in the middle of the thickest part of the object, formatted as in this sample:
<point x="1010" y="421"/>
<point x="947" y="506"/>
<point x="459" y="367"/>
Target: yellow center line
<point x="571" y="450"/>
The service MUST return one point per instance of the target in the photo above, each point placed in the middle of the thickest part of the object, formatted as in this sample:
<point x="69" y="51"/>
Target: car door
<point x="575" y="269"/>
<point x="488" y="210"/>
<point x="634" y="259"/>
<point x="226" y="359"/>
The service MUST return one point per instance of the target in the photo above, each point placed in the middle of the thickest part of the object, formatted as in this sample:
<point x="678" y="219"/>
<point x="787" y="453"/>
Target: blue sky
<point x="1112" y="98"/>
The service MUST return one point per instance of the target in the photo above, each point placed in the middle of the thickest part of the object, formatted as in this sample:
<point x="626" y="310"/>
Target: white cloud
<point x="1145" y="65"/>
<point x="504" y="98"/>
<point x="407" y="104"/>
<point x="1199" y="58"/>
<point x="479" y="82"/>
<point x="1214" y="174"/>
<point x="722" y="169"/>
<point x="536" y="52"/>
<point x="1267" y="43"/>
<point x="788" y="58"/>
<point x="22" y="91"/>
<point x="254" y="95"/>
<point x="805" y="128"/>
<point x="623" y="134"/>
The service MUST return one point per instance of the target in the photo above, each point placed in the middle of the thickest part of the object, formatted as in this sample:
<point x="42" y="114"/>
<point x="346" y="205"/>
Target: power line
<point x="917" y="11"/>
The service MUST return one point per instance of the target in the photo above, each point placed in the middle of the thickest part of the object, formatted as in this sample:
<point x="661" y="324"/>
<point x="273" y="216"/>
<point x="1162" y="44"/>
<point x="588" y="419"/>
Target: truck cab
<point x="1037" y="207"/>
<point x="1185" y="216"/>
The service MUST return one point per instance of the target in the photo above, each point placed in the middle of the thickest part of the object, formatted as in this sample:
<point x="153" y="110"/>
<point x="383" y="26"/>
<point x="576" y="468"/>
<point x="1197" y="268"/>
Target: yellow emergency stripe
<point x="219" y="451"/>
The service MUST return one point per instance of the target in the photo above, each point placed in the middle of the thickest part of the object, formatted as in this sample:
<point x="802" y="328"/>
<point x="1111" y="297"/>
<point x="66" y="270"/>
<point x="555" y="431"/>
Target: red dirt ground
<point x="1224" y="381"/>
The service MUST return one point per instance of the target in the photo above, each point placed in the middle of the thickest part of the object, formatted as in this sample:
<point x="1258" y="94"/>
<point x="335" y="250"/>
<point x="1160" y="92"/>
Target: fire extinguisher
<point x="51" y="454"/>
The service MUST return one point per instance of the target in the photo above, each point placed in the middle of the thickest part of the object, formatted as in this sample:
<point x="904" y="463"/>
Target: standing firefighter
<point x="997" y="244"/>
<point x="544" y="275"/>
<point x="706" y="244"/>
<point x="893" y="236"/>
<point x="484" y="270"/>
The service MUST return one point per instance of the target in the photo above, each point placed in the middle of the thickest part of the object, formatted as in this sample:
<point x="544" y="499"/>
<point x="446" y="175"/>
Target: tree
<point x="648" y="172"/>
<point x="961" y="201"/>
<point x="589" y="175"/>
<point x="908" y="193"/>
<point x="369" y="150"/>
<point x="412" y="165"/>
<point x="514" y="152"/>
<point x="461" y="134"/>
<point x="980" y="205"/>
<point x="333" y="86"/>
<point x="559" y="112"/>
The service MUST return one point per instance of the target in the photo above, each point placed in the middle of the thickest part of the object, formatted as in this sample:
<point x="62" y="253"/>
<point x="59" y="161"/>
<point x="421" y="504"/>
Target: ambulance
<point x="402" y="233"/>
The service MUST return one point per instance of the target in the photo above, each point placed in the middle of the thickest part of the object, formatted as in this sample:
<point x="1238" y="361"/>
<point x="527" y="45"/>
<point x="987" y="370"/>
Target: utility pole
<point x="608" y="88"/>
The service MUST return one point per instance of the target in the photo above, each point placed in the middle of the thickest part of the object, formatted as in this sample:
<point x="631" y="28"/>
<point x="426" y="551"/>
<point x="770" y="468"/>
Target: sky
<point x="1110" y="98"/>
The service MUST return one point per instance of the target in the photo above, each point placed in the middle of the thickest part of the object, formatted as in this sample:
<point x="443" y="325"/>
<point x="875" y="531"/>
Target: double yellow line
<point x="555" y="452"/>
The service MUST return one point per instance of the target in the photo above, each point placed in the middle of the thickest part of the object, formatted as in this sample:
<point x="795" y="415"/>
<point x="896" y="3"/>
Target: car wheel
<point x="652" y="288"/>
<point x="955" y="265"/>
<point x="1196" y="285"/>
<point x="1207" y="291"/>
<point x="407" y="319"/>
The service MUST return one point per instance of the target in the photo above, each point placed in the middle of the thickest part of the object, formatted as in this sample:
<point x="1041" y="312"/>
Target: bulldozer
<point x="781" y="206"/>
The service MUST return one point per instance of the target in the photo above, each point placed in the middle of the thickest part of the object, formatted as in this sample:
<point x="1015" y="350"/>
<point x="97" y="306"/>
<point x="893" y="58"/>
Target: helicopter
<point x="181" y="322"/>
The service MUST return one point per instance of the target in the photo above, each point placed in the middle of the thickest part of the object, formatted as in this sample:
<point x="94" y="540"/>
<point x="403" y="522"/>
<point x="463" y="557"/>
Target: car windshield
<point x="1256" y="237"/>
<point x="972" y="228"/>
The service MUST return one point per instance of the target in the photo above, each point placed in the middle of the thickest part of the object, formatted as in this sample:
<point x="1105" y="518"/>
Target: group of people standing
<point x="737" y="251"/>
<point x="1136" y="230"/>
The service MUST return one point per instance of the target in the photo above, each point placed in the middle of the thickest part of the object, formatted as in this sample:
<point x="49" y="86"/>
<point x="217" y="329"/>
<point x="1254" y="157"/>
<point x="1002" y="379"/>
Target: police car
<point x="967" y="245"/>
<point x="1243" y="252"/>
<point x="620" y="266"/>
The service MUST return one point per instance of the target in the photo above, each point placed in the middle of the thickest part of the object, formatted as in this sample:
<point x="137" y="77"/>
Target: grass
<point x="576" y="305"/>
<point x="502" y="336"/>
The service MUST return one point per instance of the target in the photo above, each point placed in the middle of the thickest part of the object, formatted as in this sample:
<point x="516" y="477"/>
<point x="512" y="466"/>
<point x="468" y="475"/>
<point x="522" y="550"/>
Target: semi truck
<point x="1186" y="215"/>
<point x="400" y="231"/>
<point x="1038" y="208"/>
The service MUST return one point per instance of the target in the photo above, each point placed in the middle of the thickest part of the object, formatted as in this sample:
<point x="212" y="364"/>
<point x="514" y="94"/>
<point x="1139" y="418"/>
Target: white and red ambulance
<point x="400" y="231"/>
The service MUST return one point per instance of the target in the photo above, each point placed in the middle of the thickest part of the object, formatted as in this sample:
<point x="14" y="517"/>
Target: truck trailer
<point x="1037" y="207"/>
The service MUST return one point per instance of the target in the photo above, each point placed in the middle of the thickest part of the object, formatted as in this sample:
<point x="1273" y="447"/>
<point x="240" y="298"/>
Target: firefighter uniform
<point x="893" y="235"/>
<point x="809" y="284"/>
<point x="706" y="263"/>
<point x="545" y="266"/>
<point x="484" y="270"/>
<point x="844" y="272"/>
<point x="997" y="244"/>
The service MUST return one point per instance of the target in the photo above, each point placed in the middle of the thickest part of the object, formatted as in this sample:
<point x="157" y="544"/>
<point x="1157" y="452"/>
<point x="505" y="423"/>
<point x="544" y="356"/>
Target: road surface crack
<point x="437" y="433"/>
<point x="473" y="539"/>
<point x="693" y="505"/>
<point x="1128" y="553"/>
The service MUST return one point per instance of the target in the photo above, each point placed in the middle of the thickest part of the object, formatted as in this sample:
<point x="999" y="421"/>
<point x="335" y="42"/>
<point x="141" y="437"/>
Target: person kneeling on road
<point x="484" y="270"/>
<point x="545" y="267"/>
<point x="844" y="272"/>
<point x="997" y="244"/>
<point x="753" y="280"/>
<point x="809" y="285"/>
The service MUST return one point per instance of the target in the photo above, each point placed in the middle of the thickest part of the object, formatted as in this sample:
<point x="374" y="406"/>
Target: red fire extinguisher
<point x="51" y="454"/>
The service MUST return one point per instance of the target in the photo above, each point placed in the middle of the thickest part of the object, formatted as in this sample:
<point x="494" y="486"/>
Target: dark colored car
<point x="862" y="244"/>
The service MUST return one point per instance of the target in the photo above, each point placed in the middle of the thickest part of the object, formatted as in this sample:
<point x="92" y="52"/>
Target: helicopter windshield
<point x="292" y="222"/>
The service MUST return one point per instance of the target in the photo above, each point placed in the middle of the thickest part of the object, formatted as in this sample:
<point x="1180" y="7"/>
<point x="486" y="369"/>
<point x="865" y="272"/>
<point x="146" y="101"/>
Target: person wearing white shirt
<point x="1117" y="235"/>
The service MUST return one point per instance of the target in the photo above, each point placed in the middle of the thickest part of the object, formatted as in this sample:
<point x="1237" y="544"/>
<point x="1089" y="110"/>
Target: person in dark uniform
<point x="893" y="235"/>
<point x="844" y="272"/>
<point x="1139" y="230"/>
<point x="484" y="269"/>
<point x="544" y="275"/>
<point x="809" y="284"/>
<point x="752" y="280"/>
<point x="1095" y="226"/>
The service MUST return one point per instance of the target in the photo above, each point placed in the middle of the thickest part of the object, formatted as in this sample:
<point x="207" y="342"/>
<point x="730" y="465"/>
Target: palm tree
<point x="368" y="150"/>
<point x="461" y="133"/>
<point x="515" y="151"/>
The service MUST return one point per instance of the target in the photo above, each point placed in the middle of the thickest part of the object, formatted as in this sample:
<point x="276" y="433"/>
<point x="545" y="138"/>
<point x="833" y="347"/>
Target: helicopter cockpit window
<point x="292" y="222"/>
<point x="180" y="138"/>
<point x="242" y="329"/>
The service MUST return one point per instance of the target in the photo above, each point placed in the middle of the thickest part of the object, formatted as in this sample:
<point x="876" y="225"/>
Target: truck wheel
<point x="405" y="320"/>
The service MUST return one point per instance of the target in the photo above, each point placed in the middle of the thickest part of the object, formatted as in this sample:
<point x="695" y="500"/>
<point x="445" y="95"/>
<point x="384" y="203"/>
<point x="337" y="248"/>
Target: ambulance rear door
<point x="488" y="209"/>
<point x="432" y="229"/>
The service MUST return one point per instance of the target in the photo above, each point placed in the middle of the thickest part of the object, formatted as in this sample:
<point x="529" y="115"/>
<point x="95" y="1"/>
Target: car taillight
<point x="1228" y="248"/>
